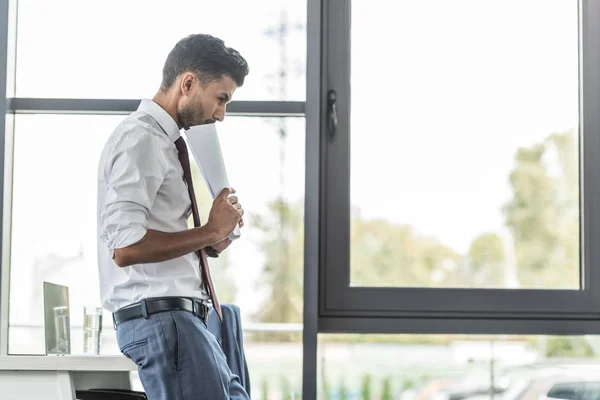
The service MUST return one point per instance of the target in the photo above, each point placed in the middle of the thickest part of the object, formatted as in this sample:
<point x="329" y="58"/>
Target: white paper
<point x="204" y="144"/>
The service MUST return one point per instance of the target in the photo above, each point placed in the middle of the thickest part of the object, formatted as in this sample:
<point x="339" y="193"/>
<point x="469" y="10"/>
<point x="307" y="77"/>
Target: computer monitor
<point x="57" y="321"/>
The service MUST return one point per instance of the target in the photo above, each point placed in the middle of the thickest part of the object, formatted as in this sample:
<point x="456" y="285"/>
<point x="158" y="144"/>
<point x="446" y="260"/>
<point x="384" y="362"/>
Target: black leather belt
<point x="161" y="304"/>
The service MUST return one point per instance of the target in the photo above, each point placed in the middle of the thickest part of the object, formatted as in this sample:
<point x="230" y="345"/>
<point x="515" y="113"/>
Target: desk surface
<point x="66" y="363"/>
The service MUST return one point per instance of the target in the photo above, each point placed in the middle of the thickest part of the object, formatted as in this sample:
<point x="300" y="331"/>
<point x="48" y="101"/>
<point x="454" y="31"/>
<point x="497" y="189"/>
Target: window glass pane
<point x="54" y="233"/>
<point x="116" y="49"/>
<point x="444" y="367"/>
<point x="11" y="47"/>
<point x="468" y="175"/>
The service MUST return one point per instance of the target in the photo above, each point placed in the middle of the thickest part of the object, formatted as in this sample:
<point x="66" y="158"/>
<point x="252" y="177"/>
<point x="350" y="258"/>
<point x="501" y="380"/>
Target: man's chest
<point x="172" y="200"/>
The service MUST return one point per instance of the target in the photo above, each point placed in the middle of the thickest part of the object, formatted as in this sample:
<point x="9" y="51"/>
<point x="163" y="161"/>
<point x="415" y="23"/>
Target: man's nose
<point x="219" y="115"/>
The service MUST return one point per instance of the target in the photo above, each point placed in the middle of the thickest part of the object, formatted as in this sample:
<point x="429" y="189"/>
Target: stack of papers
<point x="204" y="144"/>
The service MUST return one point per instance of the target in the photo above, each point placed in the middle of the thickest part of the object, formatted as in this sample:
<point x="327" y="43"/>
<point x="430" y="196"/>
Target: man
<point x="153" y="273"/>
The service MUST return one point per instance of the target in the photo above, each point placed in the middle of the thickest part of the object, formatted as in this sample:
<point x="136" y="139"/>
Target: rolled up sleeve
<point x="133" y="174"/>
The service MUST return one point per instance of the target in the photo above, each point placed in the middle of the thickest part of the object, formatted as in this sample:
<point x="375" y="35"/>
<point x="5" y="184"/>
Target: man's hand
<point x="219" y="247"/>
<point x="225" y="214"/>
<point x="235" y="202"/>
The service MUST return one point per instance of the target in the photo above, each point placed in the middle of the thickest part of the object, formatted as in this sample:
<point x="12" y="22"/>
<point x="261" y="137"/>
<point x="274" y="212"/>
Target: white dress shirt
<point x="140" y="187"/>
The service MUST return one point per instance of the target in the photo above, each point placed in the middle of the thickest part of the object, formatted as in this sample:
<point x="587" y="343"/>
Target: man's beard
<point x="189" y="117"/>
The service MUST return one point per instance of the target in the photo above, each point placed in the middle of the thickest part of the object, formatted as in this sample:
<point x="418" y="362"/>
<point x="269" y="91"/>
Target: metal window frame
<point x="126" y="106"/>
<point x="6" y="174"/>
<point x="312" y="198"/>
<point x="344" y="308"/>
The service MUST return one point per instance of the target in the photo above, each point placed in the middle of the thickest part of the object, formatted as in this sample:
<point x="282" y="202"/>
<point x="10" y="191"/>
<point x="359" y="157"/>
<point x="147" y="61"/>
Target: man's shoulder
<point x="134" y="136"/>
<point x="137" y="129"/>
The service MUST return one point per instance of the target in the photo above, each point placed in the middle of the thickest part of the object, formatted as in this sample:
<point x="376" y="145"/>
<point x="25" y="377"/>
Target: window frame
<point x="21" y="105"/>
<point x="343" y="308"/>
<point x="7" y="19"/>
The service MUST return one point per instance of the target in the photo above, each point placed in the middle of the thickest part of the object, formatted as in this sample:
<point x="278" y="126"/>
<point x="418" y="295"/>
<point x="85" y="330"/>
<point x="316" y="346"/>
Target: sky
<point x="443" y="94"/>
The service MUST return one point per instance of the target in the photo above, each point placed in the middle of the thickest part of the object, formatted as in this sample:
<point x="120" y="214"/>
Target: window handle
<point x="332" y="117"/>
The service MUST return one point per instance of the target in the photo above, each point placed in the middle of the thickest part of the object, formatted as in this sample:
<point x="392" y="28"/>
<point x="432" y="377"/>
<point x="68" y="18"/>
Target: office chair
<point x="109" y="394"/>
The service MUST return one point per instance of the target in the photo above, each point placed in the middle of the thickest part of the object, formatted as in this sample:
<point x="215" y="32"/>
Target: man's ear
<point x="187" y="81"/>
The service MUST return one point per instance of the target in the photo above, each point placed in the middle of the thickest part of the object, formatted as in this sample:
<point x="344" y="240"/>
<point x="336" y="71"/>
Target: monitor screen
<point x="57" y="323"/>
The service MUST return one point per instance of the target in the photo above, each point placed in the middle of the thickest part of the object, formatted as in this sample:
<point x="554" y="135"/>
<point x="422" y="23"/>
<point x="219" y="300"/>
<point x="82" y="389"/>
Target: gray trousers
<point x="180" y="358"/>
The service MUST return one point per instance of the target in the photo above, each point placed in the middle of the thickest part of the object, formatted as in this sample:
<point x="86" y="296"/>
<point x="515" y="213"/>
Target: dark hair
<point x="207" y="57"/>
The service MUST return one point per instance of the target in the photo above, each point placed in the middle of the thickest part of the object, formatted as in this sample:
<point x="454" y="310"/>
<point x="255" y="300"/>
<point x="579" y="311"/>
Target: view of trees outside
<point x="540" y="251"/>
<point x="542" y="216"/>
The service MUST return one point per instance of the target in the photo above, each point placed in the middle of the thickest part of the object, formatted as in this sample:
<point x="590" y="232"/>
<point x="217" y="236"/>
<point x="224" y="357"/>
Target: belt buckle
<point x="196" y="308"/>
<point x="200" y="310"/>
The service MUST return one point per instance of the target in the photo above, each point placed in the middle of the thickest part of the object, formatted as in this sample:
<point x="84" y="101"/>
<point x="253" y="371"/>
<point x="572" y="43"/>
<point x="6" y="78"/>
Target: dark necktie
<point x="184" y="159"/>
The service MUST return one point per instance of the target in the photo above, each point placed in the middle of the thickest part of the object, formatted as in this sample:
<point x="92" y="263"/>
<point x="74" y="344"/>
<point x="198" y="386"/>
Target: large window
<point x="54" y="230"/>
<point x="106" y="56"/>
<point x="477" y="165"/>
<point x="467" y="128"/>
<point x="116" y="49"/>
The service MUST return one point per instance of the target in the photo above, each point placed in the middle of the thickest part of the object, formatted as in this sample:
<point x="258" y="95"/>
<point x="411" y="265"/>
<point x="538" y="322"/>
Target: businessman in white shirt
<point x="154" y="276"/>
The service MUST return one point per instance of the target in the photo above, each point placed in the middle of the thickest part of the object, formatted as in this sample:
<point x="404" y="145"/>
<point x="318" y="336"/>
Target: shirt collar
<point x="161" y="116"/>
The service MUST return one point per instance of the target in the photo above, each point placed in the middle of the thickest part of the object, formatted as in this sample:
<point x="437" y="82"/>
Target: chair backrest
<point x="109" y="394"/>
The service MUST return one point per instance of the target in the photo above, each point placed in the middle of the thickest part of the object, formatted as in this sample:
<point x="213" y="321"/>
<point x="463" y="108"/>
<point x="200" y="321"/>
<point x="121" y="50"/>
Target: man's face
<point x="205" y="104"/>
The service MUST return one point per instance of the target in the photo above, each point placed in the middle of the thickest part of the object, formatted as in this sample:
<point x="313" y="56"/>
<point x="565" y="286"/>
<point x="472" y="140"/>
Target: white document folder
<point x="204" y="144"/>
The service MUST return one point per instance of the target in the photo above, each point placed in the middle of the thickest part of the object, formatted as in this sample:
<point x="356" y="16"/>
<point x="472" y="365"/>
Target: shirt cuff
<point x="127" y="237"/>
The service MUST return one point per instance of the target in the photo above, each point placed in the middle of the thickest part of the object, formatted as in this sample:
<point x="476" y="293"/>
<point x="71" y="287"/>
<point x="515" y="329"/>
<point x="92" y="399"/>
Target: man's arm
<point x="225" y="213"/>
<point x="133" y="172"/>
<point x="157" y="246"/>
<point x="133" y="177"/>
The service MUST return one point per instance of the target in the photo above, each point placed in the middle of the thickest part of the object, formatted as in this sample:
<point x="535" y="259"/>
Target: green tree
<point x="543" y="215"/>
<point x="486" y="261"/>
<point x="326" y="390"/>
<point x="386" y="392"/>
<point x="282" y="243"/>
<point x="286" y="390"/>
<point x="343" y="389"/>
<point x="386" y="254"/>
<point x="564" y="347"/>
<point x="382" y="254"/>
<point x="366" y="387"/>
<point x="264" y="389"/>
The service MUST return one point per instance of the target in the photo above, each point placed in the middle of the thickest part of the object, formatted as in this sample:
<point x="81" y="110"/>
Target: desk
<point x="57" y="377"/>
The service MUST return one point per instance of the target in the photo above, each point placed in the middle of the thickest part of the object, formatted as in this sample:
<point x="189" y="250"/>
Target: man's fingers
<point x="226" y="192"/>
<point x="237" y="205"/>
<point x="232" y="200"/>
